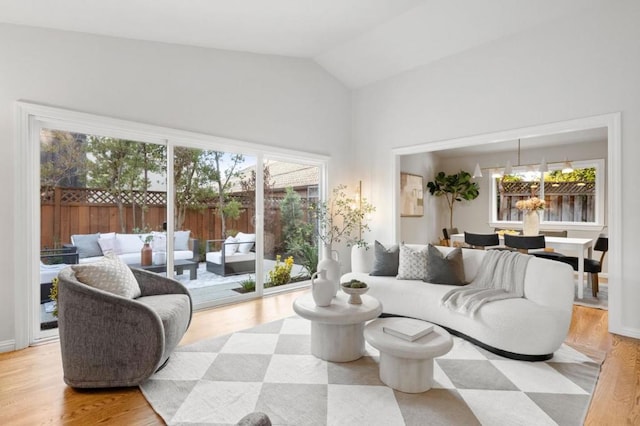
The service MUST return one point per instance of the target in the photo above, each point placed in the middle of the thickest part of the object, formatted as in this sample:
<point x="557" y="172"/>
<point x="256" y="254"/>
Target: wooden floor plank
<point x="32" y="391"/>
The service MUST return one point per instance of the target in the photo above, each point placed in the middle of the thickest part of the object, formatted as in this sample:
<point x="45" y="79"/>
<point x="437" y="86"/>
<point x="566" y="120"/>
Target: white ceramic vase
<point x="321" y="288"/>
<point x="331" y="265"/>
<point x="530" y="223"/>
<point x="361" y="258"/>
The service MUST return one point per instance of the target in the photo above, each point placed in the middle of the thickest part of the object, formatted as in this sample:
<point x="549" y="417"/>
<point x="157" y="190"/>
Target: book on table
<point x="408" y="330"/>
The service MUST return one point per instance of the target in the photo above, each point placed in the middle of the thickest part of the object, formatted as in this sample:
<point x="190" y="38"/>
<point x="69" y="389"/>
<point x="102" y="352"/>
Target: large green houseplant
<point x="455" y="188"/>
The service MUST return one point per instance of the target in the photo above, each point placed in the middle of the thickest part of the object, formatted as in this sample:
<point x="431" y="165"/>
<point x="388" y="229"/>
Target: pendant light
<point x="477" y="173"/>
<point x="567" y="167"/>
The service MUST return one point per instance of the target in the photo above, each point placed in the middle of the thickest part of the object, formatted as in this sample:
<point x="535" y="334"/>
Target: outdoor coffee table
<point x="178" y="267"/>
<point x="336" y="330"/>
<point x="407" y="366"/>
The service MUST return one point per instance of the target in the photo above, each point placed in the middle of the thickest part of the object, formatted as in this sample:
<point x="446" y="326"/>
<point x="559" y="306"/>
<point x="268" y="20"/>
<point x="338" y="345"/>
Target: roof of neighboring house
<point x="283" y="175"/>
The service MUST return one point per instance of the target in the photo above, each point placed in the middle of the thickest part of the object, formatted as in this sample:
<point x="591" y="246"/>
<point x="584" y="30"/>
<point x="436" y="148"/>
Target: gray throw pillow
<point x="412" y="263"/>
<point x="443" y="269"/>
<point x="87" y="245"/>
<point x="386" y="260"/>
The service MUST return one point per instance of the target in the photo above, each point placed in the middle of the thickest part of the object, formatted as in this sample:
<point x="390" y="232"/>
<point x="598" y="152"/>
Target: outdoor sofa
<point x="236" y="255"/>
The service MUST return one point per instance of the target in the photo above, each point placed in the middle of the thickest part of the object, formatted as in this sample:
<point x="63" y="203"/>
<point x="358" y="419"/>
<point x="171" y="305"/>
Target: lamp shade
<point x="477" y="173"/>
<point x="567" y="167"/>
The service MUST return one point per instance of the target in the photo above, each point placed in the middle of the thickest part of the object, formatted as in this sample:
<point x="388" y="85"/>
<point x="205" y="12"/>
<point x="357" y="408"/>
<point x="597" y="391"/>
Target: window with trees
<point x="572" y="199"/>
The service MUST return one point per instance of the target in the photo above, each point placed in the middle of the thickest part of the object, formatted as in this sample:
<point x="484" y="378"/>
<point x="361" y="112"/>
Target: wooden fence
<point x="68" y="211"/>
<point x="565" y="201"/>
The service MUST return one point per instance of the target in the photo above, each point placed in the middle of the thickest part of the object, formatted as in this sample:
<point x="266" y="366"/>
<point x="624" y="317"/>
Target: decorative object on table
<point x="159" y="258"/>
<point x="340" y="218"/>
<point x="408" y="330"/>
<point x="455" y="188"/>
<point x="146" y="253"/>
<point x="530" y="216"/>
<point x="411" y="195"/>
<point x="354" y="289"/>
<point x="322" y="288"/>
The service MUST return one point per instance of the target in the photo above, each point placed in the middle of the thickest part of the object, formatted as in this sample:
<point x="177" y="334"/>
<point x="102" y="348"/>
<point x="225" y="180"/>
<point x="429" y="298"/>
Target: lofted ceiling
<point x="358" y="41"/>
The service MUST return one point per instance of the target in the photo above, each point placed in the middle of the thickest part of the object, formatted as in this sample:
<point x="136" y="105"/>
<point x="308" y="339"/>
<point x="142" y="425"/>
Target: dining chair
<point x="480" y="241"/>
<point x="592" y="266"/>
<point x="524" y="243"/>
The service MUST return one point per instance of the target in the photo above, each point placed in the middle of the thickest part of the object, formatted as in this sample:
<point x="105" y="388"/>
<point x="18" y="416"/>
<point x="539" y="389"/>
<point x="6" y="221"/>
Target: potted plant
<point x="455" y="188"/>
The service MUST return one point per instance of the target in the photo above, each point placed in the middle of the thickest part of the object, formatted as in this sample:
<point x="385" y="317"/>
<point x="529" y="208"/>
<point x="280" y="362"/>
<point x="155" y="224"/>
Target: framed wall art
<point x="411" y="195"/>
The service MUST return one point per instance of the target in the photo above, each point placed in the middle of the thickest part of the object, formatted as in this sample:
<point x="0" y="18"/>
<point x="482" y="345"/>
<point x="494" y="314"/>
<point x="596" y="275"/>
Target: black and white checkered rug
<point x="270" y="368"/>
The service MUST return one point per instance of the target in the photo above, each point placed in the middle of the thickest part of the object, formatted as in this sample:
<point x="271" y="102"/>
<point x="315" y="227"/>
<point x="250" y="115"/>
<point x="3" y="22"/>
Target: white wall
<point x="576" y="67"/>
<point x="278" y="101"/>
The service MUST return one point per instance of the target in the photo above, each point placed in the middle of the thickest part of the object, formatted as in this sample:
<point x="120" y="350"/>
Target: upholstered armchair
<point x="114" y="340"/>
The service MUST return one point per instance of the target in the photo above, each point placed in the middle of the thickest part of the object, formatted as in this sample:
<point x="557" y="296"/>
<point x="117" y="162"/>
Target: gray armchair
<point x="112" y="341"/>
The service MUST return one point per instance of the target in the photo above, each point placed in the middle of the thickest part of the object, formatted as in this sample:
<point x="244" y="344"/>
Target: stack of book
<point x="408" y="330"/>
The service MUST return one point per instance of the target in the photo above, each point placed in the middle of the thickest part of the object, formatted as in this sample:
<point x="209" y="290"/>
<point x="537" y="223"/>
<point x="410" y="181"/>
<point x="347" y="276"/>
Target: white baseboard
<point x="7" y="346"/>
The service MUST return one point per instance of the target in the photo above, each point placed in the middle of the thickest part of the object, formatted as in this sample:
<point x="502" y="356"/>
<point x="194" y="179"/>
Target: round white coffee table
<point x="337" y="329"/>
<point x="407" y="366"/>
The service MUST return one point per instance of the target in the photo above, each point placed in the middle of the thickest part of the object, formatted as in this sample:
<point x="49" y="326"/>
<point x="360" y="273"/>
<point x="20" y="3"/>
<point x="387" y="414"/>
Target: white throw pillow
<point x="107" y="245"/>
<point x="412" y="263"/>
<point x="230" y="249"/>
<point x="181" y="240"/>
<point x="129" y="243"/>
<point x="109" y="274"/>
<point x="247" y="241"/>
<point x="159" y="243"/>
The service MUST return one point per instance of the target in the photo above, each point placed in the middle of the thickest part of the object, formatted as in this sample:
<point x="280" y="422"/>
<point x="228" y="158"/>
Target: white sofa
<point x="529" y="328"/>
<point x="91" y="247"/>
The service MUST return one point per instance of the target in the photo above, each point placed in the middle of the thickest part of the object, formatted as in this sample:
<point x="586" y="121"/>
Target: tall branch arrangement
<point x="343" y="217"/>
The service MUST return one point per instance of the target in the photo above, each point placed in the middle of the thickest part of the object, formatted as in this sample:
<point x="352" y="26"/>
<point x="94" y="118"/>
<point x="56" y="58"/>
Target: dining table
<point x="576" y="246"/>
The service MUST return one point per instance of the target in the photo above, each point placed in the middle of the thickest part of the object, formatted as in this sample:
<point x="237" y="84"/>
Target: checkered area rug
<point x="269" y="368"/>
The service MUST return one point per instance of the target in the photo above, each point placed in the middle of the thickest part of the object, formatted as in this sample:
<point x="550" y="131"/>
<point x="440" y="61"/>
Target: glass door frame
<point x="30" y="118"/>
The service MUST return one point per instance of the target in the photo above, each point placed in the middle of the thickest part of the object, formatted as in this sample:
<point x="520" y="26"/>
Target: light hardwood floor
<point x="32" y="391"/>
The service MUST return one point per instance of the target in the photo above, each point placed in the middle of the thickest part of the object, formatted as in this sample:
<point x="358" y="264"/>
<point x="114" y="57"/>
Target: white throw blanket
<point x="501" y="276"/>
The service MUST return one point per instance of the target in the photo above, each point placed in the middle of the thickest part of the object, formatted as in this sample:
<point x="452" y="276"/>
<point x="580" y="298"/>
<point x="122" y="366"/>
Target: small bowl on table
<point x="354" y="292"/>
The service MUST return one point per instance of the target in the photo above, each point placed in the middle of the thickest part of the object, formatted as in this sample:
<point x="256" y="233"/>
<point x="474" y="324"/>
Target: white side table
<point x="407" y="366"/>
<point x="337" y="329"/>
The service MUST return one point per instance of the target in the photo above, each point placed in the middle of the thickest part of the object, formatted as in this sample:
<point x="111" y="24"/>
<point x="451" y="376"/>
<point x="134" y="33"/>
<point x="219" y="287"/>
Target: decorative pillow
<point x="247" y="240"/>
<point x="181" y="240"/>
<point x="109" y="274"/>
<point x="386" y="260"/>
<point x="87" y="245"/>
<point x="443" y="269"/>
<point x="107" y="245"/>
<point x="412" y="263"/>
<point x="129" y="243"/>
<point x="230" y="249"/>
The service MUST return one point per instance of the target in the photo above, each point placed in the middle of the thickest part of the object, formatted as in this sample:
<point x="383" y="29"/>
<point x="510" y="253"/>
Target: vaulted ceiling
<point x="358" y="41"/>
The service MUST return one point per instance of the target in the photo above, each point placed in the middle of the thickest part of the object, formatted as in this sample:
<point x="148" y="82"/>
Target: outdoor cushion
<point x="129" y="243"/>
<point x="181" y="240"/>
<point x="107" y="245"/>
<point x="110" y="274"/>
<point x="216" y="257"/>
<point x="247" y="240"/>
<point x="229" y="246"/>
<point x="87" y="245"/>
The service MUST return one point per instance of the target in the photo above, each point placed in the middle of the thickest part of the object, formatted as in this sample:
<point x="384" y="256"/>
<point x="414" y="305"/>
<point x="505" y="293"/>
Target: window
<point x="573" y="200"/>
